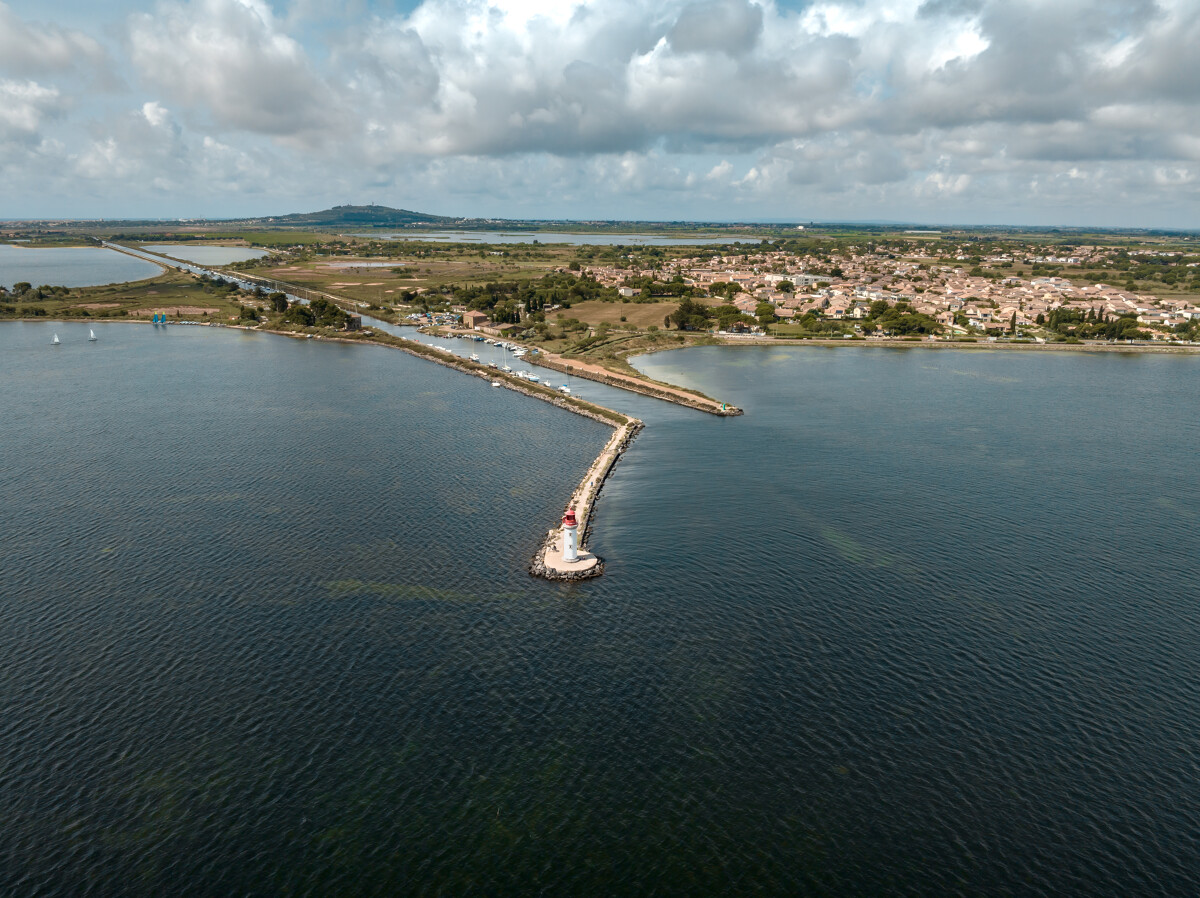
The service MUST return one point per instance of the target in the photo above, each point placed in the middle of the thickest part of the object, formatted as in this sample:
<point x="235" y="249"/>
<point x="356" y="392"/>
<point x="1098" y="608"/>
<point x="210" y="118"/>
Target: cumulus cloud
<point x="155" y="114"/>
<point x="719" y="106"/>
<point x="484" y="77"/>
<point x="496" y="77"/>
<point x="24" y="106"/>
<point x="724" y="26"/>
<point x="228" y="59"/>
<point x="27" y="48"/>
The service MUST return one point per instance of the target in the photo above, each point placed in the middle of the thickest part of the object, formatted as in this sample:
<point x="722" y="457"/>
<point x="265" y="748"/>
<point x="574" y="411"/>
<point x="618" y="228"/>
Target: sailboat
<point x="55" y="341"/>
<point x="91" y="336"/>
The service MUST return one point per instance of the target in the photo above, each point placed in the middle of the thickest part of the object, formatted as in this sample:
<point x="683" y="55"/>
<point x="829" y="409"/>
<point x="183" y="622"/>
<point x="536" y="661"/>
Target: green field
<point x="269" y="239"/>
<point x="637" y="314"/>
<point x="174" y="294"/>
<point x="381" y="286"/>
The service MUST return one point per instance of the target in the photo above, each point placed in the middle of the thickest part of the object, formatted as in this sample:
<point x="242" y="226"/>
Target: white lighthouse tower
<point x="570" y="536"/>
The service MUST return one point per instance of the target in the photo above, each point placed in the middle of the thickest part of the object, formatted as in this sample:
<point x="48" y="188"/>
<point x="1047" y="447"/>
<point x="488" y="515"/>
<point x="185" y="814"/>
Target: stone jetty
<point x="548" y="561"/>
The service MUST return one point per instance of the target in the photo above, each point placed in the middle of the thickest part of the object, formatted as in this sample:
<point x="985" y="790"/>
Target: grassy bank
<point x="173" y="293"/>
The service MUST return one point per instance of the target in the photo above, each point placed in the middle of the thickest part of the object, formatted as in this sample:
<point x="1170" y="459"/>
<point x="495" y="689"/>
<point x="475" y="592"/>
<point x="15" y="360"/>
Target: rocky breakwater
<point x="551" y="548"/>
<point x="634" y="384"/>
<point x="548" y="561"/>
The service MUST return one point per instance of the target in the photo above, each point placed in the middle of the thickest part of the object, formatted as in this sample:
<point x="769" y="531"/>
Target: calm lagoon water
<point x="502" y="237"/>
<point x="921" y="622"/>
<point x="207" y="255"/>
<point x="75" y="266"/>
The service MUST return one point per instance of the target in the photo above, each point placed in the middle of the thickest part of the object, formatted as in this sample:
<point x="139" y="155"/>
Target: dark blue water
<point x="921" y="622"/>
<point x="73" y="266"/>
<point x="206" y="255"/>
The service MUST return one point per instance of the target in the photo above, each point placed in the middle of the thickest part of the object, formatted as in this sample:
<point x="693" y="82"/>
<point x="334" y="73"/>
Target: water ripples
<point x="267" y="628"/>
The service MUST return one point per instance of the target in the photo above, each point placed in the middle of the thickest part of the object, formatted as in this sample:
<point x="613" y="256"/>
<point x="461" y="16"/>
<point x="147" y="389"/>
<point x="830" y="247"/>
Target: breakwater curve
<point x="547" y="561"/>
<point x="641" y="385"/>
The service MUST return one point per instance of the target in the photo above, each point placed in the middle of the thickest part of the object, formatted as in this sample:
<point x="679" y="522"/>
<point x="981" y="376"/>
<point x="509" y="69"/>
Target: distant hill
<point x="363" y="216"/>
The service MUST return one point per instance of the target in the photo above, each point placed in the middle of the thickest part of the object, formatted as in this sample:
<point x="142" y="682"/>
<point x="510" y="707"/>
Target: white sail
<point x="91" y="336"/>
<point x="55" y="341"/>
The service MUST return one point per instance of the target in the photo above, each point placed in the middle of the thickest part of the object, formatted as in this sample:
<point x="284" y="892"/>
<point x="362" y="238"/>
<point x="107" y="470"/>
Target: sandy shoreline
<point x="634" y="384"/>
<point x="955" y="344"/>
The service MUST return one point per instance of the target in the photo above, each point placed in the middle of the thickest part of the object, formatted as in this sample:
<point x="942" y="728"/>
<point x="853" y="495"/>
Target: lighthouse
<point x="570" y="536"/>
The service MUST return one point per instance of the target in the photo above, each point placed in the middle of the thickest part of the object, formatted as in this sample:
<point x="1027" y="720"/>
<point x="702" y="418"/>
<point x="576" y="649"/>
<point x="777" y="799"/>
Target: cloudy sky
<point x="974" y="111"/>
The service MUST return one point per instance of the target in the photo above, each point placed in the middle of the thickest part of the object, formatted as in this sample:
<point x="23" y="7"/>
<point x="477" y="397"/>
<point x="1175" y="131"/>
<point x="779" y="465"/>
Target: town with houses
<point x="976" y="294"/>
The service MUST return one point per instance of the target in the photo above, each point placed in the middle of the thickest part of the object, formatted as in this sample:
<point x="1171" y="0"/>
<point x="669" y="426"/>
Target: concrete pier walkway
<point x="549" y="561"/>
<point x="557" y="568"/>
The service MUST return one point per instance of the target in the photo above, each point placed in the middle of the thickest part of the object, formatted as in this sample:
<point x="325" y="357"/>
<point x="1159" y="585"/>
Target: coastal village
<point x="806" y="285"/>
<point x="907" y="289"/>
<point x="974" y="296"/>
